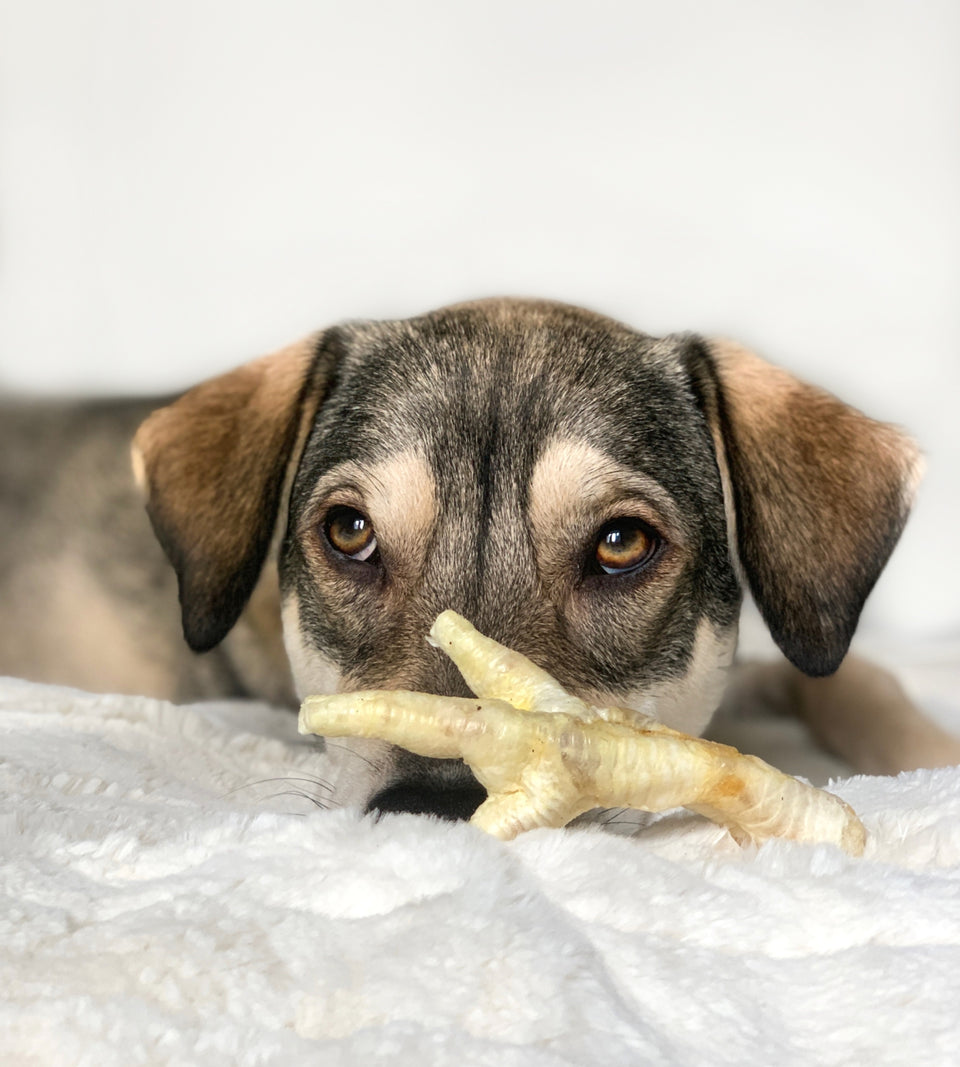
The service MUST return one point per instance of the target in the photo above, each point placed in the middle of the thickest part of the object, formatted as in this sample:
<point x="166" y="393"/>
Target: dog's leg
<point x="861" y="714"/>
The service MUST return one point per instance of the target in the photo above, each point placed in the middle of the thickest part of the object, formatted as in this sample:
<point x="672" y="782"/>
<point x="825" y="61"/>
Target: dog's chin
<point x="453" y="802"/>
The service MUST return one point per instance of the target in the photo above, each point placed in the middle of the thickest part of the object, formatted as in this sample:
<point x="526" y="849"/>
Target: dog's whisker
<point x="238" y="788"/>
<point x="340" y="747"/>
<point x="249" y="785"/>
<point x="318" y="782"/>
<point x="322" y="805"/>
<point x="316" y="801"/>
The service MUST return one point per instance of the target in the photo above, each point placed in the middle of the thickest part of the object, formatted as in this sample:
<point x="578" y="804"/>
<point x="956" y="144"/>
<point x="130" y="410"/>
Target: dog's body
<point x="90" y="599"/>
<point x="591" y="496"/>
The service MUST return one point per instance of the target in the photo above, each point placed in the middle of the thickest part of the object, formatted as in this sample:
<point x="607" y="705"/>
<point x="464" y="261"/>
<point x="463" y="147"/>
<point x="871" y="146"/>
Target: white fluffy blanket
<point x="160" y="908"/>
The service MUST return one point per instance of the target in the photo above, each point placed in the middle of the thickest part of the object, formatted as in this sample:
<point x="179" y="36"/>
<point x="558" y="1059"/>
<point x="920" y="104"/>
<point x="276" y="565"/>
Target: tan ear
<point x="214" y="466"/>
<point x="821" y="494"/>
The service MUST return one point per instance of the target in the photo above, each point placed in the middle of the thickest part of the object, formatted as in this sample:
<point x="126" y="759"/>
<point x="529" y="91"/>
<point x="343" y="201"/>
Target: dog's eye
<point x="350" y="533"/>
<point x="625" y="545"/>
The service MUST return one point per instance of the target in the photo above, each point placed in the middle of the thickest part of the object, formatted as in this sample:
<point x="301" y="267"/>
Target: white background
<point x="187" y="184"/>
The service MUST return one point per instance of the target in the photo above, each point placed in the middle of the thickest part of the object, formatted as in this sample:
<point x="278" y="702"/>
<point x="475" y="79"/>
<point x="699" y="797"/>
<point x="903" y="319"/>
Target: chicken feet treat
<point x="545" y="757"/>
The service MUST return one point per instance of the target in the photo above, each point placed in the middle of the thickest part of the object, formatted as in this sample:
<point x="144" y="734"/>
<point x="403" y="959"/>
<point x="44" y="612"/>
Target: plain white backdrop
<point x="188" y="184"/>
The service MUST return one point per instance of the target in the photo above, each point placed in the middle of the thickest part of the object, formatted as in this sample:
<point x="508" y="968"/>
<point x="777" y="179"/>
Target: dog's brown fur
<point x="777" y="429"/>
<point x="487" y="444"/>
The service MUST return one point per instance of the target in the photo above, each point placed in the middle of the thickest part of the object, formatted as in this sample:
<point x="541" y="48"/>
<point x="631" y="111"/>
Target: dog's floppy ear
<point x="820" y="496"/>
<point x="214" y="466"/>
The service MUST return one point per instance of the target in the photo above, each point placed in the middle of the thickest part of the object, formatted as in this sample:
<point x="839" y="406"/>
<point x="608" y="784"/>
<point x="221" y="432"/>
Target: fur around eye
<point x="624" y="545"/>
<point x="350" y="533"/>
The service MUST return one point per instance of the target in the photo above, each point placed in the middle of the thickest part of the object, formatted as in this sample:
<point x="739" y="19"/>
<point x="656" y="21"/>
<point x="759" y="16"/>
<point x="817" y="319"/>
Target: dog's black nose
<point x="422" y="798"/>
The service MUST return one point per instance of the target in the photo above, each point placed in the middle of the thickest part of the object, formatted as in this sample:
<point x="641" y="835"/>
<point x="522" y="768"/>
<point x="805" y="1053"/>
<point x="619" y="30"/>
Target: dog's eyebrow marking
<point x="398" y="493"/>
<point x="574" y="481"/>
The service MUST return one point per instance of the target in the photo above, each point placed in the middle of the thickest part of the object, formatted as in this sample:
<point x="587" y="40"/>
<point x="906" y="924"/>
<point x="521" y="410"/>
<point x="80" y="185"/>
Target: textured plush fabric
<point x="166" y="897"/>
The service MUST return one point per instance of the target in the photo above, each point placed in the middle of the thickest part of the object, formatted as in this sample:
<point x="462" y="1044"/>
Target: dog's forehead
<point x="507" y="353"/>
<point x="501" y="379"/>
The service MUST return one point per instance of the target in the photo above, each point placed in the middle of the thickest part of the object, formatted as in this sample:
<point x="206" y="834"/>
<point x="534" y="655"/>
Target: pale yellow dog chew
<point x="545" y="757"/>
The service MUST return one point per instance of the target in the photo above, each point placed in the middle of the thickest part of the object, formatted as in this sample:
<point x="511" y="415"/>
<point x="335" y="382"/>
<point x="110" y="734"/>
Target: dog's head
<point x="587" y="494"/>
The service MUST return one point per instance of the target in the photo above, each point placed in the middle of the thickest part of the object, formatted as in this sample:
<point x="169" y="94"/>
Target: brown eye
<point x="350" y="533"/>
<point x="625" y="545"/>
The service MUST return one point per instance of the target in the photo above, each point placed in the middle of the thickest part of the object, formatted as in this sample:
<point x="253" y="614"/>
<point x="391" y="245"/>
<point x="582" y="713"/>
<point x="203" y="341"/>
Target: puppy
<point x="589" y="495"/>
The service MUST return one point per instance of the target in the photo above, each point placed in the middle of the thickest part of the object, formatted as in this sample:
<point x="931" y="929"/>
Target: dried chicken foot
<point x="545" y="756"/>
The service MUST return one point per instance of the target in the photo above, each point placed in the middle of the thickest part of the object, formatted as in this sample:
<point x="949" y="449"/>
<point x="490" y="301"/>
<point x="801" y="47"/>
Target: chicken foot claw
<point x="545" y="756"/>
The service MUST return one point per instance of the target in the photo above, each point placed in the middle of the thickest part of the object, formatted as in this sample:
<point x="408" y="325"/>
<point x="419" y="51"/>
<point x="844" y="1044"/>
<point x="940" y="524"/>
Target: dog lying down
<point x="588" y="495"/>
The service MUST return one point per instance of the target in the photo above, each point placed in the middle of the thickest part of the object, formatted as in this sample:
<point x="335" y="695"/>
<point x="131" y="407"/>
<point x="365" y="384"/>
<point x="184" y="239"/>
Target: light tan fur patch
<point x="688" y="703"/>
<point x="312" y="671"/>
<point x="576" y="487"/>
<point x="81" y="622"/>
<point x="356" y="767"/>
<point x="763" y="396"/>
<point x="227" y="431"/>
<point x="397" y="494"/>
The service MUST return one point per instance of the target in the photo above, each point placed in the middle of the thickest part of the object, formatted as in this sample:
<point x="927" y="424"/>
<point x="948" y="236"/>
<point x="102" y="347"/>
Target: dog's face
<point x="581" y="492"/>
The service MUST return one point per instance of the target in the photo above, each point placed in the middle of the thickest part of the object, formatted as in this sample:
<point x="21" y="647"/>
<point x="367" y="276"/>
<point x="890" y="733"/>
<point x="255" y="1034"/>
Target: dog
<point x="594" y="497"/>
